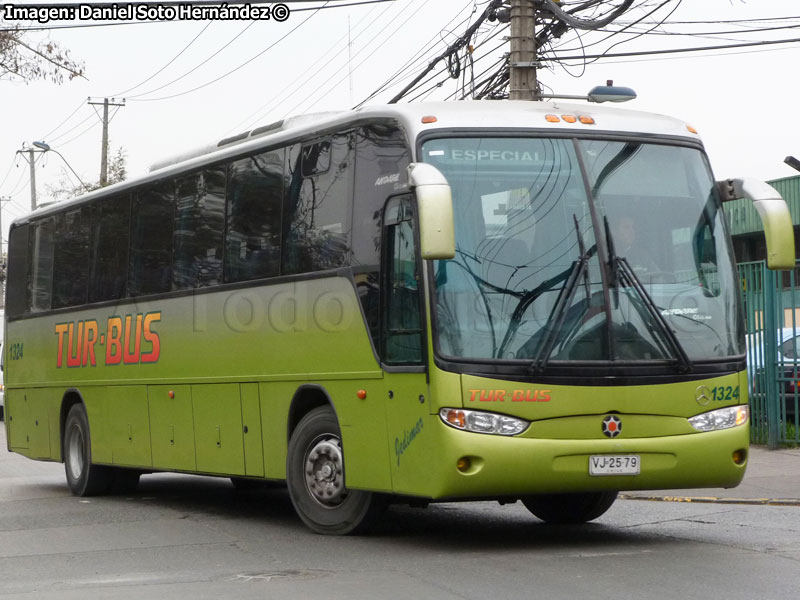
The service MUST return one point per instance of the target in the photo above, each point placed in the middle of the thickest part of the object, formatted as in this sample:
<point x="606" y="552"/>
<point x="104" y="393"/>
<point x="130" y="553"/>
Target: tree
<point x="23" y="59"/>
<point x="66" y="188"/>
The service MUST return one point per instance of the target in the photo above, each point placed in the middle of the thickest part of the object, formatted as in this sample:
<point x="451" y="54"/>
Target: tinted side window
<point x="17" y="282"/>
<point x="71" y="258"/>
<point x="317" y="221"/>
<point x="40" y="286"/>
<point x="109" y="249"/>
<point x="382" y="158"/>
<point x="253" y="241"/>
<point x="152" y="221"/>
<point x="199" y="222"/>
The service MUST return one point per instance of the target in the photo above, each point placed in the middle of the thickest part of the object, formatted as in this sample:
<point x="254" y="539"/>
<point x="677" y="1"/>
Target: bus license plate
<point x="614" y="465"/>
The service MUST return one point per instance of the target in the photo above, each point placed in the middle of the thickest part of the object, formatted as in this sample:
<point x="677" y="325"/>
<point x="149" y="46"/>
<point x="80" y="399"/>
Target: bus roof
<point x="529" y="115"/>
<point x="443" y="116"/>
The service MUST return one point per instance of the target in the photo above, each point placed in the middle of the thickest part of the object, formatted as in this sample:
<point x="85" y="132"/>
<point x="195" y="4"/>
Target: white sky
<point x="743" y="101"/>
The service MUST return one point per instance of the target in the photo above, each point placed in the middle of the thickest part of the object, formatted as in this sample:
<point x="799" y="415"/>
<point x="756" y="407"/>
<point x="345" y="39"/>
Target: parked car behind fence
<point x="787" y="373"/>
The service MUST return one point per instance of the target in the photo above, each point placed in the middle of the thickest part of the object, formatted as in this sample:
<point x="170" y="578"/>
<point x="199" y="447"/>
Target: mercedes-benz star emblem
<point x="612" y="426"/>
<point x="703" y="395"/>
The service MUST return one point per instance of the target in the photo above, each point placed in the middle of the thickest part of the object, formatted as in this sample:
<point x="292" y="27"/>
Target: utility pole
<point x="522" y="59"/>
<point x="30" y="151"/>
<point x="104" y="149"/>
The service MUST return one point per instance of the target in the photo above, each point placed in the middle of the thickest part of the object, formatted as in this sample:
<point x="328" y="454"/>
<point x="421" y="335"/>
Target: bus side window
<point x="40" y="284"/>
<point x="153" y="218"/>
<point x="109" y="249"/>
<point x="255" y="193"/>
<point x="17" y="275"/>
<point x="403" y="332"/>
<point x="199" y="222"/>
<point x="71" y="258"/>
<point x="317" y="213"/>
<point x="382" y="158"/>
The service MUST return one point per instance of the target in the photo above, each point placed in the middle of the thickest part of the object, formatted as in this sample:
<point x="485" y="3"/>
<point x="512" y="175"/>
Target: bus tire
<point x="569" y="508"/>
<point x="315" y="478"/>
<point x="83" y="477"/>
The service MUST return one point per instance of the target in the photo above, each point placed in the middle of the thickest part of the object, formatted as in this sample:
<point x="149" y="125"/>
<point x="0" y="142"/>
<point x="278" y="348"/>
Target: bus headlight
<point x="482" y="422"/>
<point x="723" y="418"/>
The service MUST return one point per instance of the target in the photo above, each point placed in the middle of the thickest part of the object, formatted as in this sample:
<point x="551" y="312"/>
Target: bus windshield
<point x="583" y="250"/>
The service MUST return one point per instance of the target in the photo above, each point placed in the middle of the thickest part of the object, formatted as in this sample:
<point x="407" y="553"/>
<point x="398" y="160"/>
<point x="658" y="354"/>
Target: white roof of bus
<point x="524" y="115"/>
<point x="503" y="114"/>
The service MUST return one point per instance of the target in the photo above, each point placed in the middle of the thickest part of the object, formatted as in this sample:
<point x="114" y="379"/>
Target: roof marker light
<point x="691" y="129"/>
<point x="429" y="119"/>
<point x="552" y="119"/>
<point x="586" y="120"/>
<point x="570" y="118"/>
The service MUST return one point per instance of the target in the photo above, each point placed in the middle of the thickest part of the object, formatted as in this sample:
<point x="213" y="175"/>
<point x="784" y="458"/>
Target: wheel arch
<point x="306" y="398"/>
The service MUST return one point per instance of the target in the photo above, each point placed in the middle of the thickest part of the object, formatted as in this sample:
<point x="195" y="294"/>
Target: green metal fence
<point x="772" y="316"/>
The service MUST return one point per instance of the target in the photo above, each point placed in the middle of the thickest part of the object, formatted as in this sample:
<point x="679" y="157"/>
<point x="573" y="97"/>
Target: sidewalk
<point x="772" y="477"/>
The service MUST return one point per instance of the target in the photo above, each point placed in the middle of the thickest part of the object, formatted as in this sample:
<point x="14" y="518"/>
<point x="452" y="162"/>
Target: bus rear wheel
<point x="83" y="477"/>
<point x="315" y="478"/>
<point x="570" y="508"/>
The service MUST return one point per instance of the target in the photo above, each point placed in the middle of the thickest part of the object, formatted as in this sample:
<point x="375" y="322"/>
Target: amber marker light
<point x="362" y="394"/>
<point x="171" y="394"/>
<point x="429" y="119"/>
<point x="456" y="418"/>
<point x="570" y="118"/>
<point x="691" y="129"/>
<point x="586" y="120"/>
<point x="552" y="119"/>
<point x="739" y="456"/>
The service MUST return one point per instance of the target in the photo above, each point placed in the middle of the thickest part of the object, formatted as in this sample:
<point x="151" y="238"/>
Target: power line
<point x="291" y="88"/>
<point x="451" y="49"/>
<point x="71" y="129"/>
<point x="675" y="50"/>
<point x="10" y="168"/>
<point x="396" y="29"/>
<point x="410" y="63"/>
<point x="224" y="75"/>
<point x="344" y="4"/>
<point x="57" y="127"/>
<point x="81" y="134"/>
<point x="172" y="60"/>
<point x="193" y="69"/>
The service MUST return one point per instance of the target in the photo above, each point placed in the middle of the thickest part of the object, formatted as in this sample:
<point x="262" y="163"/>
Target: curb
<point x="716" y="500"/>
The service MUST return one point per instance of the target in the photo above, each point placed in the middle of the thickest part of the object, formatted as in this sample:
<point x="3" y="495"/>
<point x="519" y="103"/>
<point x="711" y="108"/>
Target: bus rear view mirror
<point x="774" y="214"/>
<point x="435" y="206"/>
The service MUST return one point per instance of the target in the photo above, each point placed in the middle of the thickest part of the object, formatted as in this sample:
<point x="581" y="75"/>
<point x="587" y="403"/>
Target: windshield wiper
<point x="621" y="273"/>
<point x="578" y="270"/>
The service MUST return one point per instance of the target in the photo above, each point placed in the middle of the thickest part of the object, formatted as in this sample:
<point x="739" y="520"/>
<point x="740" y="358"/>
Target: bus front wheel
<point x="569" y="508"/>
<point x="83" y="477"/>
<point x="315" y="478"/>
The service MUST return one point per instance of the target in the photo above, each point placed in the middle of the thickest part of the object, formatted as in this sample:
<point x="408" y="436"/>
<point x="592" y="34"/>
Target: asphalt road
<point x="191" y="537"/>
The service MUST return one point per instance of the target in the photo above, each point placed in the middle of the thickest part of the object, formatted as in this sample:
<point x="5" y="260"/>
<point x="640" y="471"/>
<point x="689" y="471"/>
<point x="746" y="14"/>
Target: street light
<point x="46" y="148"/>
<point x="601" y="93"/>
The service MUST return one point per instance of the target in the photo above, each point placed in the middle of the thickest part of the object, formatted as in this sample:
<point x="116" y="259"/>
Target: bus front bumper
<point x="472" y="465"/>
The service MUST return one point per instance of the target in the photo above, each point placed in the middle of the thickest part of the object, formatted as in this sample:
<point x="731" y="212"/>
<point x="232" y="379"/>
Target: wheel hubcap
<point x="75" y="452"/>
<point x="324" y="473"/>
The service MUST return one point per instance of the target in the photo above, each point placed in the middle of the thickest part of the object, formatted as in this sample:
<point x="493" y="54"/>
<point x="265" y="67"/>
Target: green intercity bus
<point x="410" y="303"/>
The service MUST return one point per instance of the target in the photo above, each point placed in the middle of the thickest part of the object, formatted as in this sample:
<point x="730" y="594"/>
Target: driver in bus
<point x="627" y="245"/>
